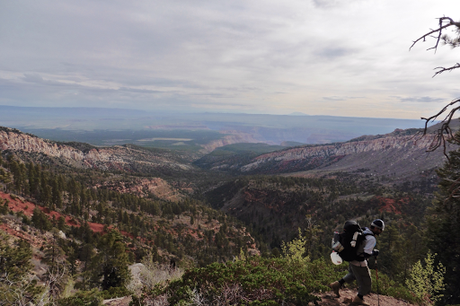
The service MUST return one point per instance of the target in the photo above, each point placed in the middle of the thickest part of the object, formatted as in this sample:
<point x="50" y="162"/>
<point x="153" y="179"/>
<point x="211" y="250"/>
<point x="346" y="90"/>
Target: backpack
<point x="347" y="242"/>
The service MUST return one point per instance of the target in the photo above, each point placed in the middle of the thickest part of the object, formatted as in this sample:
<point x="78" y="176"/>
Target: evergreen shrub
<point x="386" y="286"/>
<point x="83" y="298"/>
<point x="264" y="281"/>
<point x="115" y="292"/>
<point x="255" y="281"/>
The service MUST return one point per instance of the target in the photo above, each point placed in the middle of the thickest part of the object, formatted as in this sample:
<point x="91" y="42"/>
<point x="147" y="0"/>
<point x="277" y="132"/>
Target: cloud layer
<point x="337" y="57"/>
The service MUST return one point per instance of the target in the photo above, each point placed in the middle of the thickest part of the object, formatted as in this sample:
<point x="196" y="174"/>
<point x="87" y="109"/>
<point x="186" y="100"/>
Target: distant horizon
<point x="299" y="114"/>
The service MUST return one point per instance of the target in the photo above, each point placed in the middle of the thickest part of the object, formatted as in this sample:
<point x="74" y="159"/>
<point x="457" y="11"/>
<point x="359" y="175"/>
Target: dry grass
<point x="149" y="274"/>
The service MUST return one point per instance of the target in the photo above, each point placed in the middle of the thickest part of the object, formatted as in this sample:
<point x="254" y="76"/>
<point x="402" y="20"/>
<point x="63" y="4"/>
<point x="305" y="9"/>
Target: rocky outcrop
<point x="397" y="154"/>
<point x="233" y="138"/>
<point x="409" y="143"/>
<point x="145" y="187"/>
<point x="123" y="158"/>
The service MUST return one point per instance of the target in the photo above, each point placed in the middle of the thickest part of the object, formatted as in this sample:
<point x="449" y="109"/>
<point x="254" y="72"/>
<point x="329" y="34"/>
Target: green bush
<point x="257" y="280"/>
<point x="426" y="280"/>
<point x="264" y="282"/>
<point x="114" y="292"/>
<point x="385" y="286"/>
<point x="83" y="298"/>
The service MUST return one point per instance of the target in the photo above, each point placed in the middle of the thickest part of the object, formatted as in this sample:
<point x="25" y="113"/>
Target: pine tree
<point x="14" y="258"/>
<point x="41" y="220"/>
<point x="56" y="193"/>
<point x="443" y="220"/>
<point x="110" y="265"/>
<point x="56" y="275"/>
<point x="72" y="259"/>
<point x="15" y="265"/>
<point x="18" y="169"/>
<point x="34" y="180"/>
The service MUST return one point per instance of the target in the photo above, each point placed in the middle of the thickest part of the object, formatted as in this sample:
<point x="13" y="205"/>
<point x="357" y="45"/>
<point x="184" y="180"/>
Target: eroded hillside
<point x="125" y="158"/>
<point x="398" y="156"/>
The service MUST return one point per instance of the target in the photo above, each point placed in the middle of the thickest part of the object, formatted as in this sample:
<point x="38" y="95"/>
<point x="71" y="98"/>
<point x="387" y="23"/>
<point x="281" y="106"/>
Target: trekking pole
<point x="377" y="278"/>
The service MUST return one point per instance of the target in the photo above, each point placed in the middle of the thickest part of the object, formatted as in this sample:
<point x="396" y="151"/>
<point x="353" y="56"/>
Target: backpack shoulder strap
<point x="363" y="229"/>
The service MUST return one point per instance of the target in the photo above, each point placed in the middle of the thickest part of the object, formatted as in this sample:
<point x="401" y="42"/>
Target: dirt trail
<point x="329" y="299"/>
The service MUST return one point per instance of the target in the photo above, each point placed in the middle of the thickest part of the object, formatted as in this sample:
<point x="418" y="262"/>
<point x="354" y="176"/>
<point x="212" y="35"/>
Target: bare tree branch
<point x="444" y="133"/>
<point x="15" y="292"/>
<point x="442" y="26"/>
<point x="444" y="23"/>
<point x="443" y="69"/>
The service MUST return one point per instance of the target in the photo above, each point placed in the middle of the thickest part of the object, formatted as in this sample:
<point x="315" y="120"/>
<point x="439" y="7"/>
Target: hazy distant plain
<point x="101" y="126"/>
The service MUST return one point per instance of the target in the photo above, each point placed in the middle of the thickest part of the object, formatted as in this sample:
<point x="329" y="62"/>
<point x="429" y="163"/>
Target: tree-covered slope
<point x="396" y="157"/>
<point x="91" y="234"/>
<point x="276" y="207"/>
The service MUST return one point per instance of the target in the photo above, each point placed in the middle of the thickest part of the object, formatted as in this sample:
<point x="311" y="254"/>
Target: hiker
<point x="358" y="269"/>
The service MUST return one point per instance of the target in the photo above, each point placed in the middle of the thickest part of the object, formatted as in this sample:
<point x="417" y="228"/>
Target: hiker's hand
<point x="375" y="252"/>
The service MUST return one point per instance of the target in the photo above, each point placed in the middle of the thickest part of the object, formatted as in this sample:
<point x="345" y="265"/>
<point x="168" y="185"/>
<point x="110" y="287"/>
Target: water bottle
<point x="336" y="259"/>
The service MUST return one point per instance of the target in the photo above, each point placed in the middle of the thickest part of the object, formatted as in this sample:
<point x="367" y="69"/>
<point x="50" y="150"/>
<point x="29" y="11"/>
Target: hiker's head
<point x="377" y="226"/>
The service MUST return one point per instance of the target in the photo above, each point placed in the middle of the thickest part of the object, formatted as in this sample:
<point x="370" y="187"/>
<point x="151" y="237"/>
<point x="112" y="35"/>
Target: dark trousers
<point x="362" y="275"/>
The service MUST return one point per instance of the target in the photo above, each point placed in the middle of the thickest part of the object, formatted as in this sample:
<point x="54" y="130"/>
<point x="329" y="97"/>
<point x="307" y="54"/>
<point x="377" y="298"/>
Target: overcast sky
<point x="318" y="57"/>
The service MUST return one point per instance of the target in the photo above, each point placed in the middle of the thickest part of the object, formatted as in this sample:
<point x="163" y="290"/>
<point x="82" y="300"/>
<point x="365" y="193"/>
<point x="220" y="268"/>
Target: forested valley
<point x="69" y="237"/>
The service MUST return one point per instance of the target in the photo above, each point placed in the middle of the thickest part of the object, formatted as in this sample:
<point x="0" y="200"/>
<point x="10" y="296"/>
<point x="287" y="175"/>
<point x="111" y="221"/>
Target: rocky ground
<point x="123" y="301"/>
<point x="327" y="299"/>
<point x="346" y="295"/>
